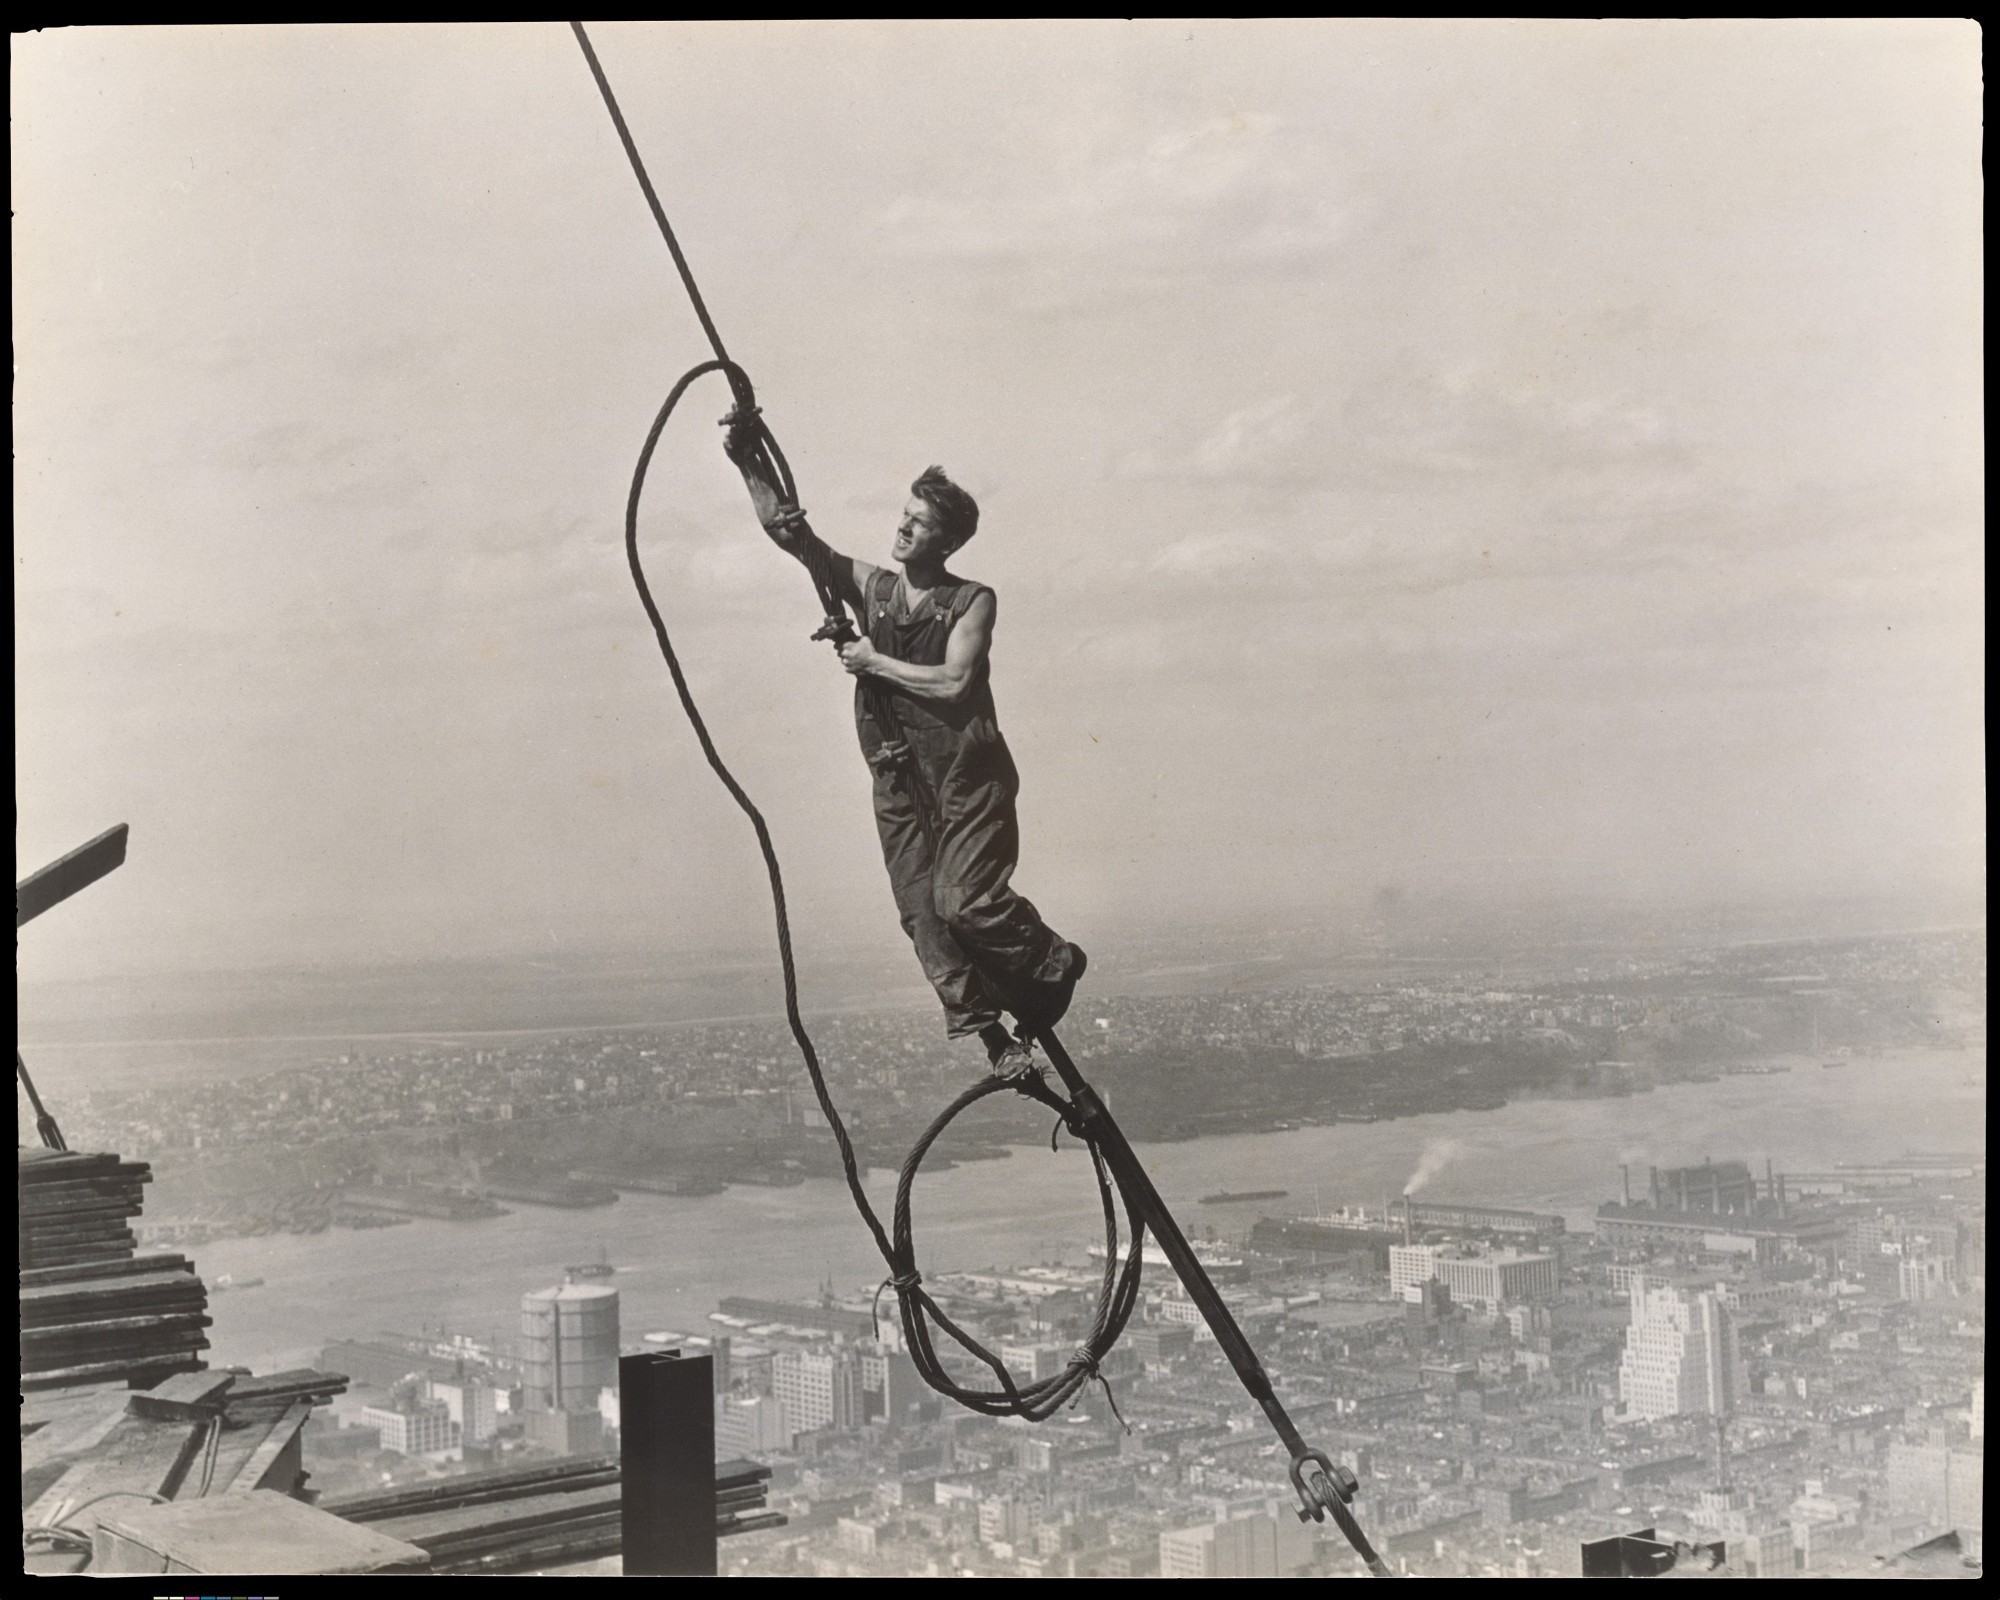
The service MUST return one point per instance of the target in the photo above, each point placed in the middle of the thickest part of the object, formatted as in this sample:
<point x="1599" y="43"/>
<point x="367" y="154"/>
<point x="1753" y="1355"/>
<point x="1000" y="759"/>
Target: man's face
<point x="918" y="536"/>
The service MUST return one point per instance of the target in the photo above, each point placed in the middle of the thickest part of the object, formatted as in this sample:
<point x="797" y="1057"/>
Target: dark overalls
<point x="983" y="947"/>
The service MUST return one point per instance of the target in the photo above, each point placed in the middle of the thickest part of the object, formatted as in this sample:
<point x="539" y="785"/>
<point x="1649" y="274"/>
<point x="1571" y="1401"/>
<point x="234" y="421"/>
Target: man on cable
<point x="944" y="781"/>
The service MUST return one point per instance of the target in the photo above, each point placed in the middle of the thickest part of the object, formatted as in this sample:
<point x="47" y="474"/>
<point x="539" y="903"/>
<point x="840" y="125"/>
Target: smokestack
<point x="1408" y="1207"/>
<point x="1782" y="1212"/>
<point x="1770" y="1183"/>
<point x="1625" y="1183"/>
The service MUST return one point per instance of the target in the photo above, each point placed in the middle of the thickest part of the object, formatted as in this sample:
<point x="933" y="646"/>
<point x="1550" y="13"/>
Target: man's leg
<point x="970" y="1005"/>
<point x="1032" y="969"/>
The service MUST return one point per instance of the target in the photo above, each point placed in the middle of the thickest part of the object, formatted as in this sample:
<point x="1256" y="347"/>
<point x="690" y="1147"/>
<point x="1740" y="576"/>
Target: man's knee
<point x="958" y="908"/>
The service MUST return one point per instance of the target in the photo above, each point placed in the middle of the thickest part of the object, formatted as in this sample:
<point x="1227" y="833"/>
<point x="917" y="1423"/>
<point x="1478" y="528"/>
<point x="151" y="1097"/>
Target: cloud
<point x="1210" y="555"/>
<point x="1141" y="647"/>
<point x="1270" y="439"/>
<point x="1244" y="188"/>
<point x="1483" y="420"/>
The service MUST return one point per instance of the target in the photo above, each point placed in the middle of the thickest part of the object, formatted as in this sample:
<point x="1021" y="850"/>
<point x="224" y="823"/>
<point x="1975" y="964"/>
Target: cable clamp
<point x="1086" y="1361"/>
<point x="904" y="1283"/>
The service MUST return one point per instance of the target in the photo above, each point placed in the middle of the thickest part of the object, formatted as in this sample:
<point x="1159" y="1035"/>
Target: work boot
<point x="1053" y="995"/>
<point x="1005" y="1054"/>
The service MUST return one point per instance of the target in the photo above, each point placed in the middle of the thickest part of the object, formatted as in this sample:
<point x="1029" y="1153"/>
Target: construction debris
<point x="93" y="1311"/>
<point x="262" y="1533"/>
<point x="196" y="1436"/>
<point x="525" y="1518"/>
<point x="76" y="1207"/>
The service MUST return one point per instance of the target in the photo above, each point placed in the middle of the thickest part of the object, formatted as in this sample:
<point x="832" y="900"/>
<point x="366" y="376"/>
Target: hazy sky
<point x="1476" y="458"/>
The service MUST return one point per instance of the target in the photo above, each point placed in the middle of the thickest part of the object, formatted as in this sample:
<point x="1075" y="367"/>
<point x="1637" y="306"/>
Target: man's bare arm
<point x="850" y="576"/>
<point x="965" y="655"/>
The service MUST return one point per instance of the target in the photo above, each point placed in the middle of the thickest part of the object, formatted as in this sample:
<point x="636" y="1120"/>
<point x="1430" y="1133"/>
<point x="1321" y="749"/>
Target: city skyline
<point x="1640" y="1260"/>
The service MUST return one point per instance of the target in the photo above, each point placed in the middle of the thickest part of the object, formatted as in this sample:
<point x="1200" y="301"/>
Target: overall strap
<point x="959" y="601"/>
<point x="881" y="595"/>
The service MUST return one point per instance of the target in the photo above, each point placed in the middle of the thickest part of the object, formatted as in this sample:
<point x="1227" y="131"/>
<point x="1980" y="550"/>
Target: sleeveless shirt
<point x="955" y="743"/>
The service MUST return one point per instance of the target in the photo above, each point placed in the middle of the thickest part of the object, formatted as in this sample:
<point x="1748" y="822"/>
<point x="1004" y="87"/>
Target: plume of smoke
<point x="1436" y="1156"/>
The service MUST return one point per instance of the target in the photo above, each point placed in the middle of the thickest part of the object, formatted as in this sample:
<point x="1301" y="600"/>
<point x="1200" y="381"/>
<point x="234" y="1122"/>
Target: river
<point x="678" y="1257"/>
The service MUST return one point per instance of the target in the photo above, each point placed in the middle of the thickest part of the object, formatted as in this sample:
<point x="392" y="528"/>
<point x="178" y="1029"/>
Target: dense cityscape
<point x="1789" y="1364"/>
<point x="1785" y="1363"/>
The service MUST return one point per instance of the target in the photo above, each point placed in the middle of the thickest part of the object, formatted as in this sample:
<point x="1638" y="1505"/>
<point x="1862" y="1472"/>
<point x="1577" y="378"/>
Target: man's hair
<point x="956" y="511"/>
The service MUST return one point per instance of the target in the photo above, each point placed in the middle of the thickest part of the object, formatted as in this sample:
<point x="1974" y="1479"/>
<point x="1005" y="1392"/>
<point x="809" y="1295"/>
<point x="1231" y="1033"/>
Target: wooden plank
<point x="268" y="1455"/>
<point x="36" y="1160"/>
<point x="68" y="874"/>
<point x="42" y="1277"/>
<point x="185" y="1397"/>
<point x="294" y="1380"/>
<point x="59" y="1192"/>
<point x="737" y="1470"/>
<point x="49" y="1405"/>
<point x="99" y="1228"/>
<point x="240" y="1438"/>
<point x="126" y="1369"/>
<point x="68" y="1303"/>
<point x="586" y="1544"/>
<point x="473" y="1487"/>
<point x="490" y="1551"/>
<point x="88" y="1290"/>
<point x="52" y="1347"/>
<point x="86" y="1316"/>
<point x="75" y="1166"/>
<point x="261" y="1533"/>
<point x="142" y="1343"/>
<point x="110" y="1328"/>
<point x="436" y="1530"/>
<point x="80" y="1254"/>
<point x="144" y="1312"/>
<point x="139" y="1457"/>
<point x="54" y="1186"/>
<point x="77" y="1427"/>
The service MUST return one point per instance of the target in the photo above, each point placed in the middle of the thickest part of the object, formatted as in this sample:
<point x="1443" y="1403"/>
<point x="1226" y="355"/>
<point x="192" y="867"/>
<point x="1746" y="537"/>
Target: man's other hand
<point x="740" y="436"/>
<point x="859" y="657"/>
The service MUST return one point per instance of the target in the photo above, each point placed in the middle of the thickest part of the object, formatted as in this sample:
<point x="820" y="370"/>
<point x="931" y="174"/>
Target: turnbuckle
<point x="837" y="629"/>
<point x="1316" y="1491"/>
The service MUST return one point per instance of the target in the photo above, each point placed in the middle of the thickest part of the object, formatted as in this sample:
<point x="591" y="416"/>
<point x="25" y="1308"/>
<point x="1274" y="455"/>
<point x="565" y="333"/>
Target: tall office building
<point x="569" y="1346"/>
<point x="1923" y="1274"/>
<point x="1265" y="1544"/>
<point x="818" y="1388"/>
<point x="1942" y="1480"/>
<point x="1505" y="1278"/>
<point x="472" y="1405"/>
<point x="1411" y="1265"/>
<point x="413" y="1428"/>
<point x="1681" y="1354"/>
<point x="750" y="1425"/>
<point x="890" y="1386"/>
<point x="1008" y="1519"/>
